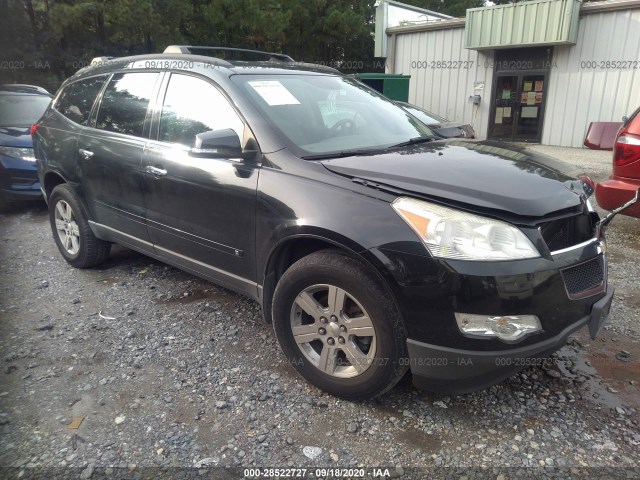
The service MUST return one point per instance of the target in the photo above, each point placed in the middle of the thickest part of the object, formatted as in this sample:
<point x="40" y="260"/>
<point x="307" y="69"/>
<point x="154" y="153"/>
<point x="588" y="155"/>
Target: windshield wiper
<point x="413" y="141"/>
<point x="344" y="153"/>
<point x="373" y="151"/>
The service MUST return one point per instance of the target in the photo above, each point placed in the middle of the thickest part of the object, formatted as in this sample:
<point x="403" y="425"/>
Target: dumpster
<point x="395" y="87"/>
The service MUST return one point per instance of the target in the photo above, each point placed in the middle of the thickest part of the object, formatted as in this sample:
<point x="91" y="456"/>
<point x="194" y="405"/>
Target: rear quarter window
<point x="77" y="99"/>
<point x="125" y="101"/>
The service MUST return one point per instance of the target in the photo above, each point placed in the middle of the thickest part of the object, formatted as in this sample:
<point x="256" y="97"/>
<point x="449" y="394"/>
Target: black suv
<point x="372" y="247"/>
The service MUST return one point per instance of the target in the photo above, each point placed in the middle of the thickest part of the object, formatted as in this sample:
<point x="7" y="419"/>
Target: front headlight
<point x="23" y="153"/>
<point x="450" y="233"/>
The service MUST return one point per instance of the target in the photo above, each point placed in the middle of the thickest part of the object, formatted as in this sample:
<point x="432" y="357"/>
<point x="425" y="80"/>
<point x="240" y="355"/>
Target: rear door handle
<point x="87" y="154"/>
<point x="156" y="172"/>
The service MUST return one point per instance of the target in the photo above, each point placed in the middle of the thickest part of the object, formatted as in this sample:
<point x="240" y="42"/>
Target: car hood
<point x="446" y="125"/>
<point x="489" y="175"/>
<point x="15" y="137"/>
<point x="451" y="129"/>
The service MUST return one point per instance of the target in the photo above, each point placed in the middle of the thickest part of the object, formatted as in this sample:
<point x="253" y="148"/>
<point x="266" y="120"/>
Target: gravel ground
<point x="136" y="367"/>
<point x="595" y="163"/>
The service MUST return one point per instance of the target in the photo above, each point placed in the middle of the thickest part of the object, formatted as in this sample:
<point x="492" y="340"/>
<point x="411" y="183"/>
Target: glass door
<point x="505" y="103"/>
<point x="517" y="107"/>
<point x="529" y="122"/>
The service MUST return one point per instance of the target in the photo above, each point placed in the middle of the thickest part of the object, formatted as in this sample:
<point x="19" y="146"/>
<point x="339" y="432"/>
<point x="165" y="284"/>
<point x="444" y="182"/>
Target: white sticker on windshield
<point x="274" y="93"/>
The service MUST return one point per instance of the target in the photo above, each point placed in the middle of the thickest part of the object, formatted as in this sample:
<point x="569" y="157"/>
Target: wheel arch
<point x="51" y="181"/>
<point x="292" y="248"/>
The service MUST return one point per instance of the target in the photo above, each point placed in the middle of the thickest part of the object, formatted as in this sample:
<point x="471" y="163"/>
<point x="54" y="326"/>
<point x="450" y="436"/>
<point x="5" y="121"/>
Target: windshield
<point x="322" y="115"/>
<point x="424" y="117"/>
<point x="22" y="110"/>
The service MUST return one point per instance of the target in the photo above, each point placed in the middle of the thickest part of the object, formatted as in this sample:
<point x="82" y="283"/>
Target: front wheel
<point x="338" y="326"/>
<point x="76" y="242"/>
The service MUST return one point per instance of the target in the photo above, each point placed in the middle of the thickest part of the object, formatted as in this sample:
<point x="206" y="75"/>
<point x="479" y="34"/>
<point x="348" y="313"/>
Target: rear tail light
<point x="626" y="149"/>
<point x="34" y="129"/>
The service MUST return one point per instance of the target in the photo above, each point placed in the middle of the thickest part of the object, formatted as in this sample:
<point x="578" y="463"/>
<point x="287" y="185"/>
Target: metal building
<point x="544" y="69"/>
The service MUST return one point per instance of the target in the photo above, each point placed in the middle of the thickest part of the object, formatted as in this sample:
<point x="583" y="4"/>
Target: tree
<point x="455" y="8"/>
<point x="51" y="39"/>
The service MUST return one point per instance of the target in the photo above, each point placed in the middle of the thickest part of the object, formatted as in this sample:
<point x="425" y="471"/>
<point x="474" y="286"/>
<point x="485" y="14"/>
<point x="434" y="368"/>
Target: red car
<point x="625" y="179"/>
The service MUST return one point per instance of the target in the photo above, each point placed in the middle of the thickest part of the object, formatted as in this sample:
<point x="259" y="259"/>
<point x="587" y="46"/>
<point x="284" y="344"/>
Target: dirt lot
<point x="159" y="369"/>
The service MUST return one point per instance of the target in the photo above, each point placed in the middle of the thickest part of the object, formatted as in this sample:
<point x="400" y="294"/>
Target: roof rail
<point x="198" y="50"/>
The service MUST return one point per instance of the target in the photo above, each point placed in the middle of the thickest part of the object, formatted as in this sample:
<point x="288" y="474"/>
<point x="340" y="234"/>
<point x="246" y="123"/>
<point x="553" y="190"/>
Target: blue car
<point x="20" y="107"/>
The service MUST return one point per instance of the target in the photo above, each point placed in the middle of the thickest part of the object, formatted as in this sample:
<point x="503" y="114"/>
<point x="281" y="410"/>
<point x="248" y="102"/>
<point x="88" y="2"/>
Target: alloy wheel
<point x="67" y="227"/>
<point x="333" y="331"/>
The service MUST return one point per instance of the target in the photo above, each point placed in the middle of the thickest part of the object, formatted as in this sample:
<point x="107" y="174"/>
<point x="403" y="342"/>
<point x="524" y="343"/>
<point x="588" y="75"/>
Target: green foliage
<point x="54" y="38"/>
<point x="455" y="8"/>
<point x="67" y="34"/>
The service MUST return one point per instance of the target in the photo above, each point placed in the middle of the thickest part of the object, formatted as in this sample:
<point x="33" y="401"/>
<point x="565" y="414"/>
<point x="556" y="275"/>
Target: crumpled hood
<point x="452" y="130"/>
<point x="486" y="174"/>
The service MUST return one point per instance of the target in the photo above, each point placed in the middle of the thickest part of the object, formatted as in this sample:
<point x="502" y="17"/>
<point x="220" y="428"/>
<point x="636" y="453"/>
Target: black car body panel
<point x="441" y="126"/>
<point x="481" y="174"/>
<point x="456" y="370"/>
<point x="453" y="130"/>
<point x="241" y="221"/>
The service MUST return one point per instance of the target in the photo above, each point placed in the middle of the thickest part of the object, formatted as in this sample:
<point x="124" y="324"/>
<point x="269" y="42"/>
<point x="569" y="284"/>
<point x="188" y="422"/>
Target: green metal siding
<point x="533" y="23"/>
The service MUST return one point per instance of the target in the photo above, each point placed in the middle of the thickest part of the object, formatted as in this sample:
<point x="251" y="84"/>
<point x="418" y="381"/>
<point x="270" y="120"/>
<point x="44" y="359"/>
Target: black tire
<point x="387" y="362"/>
<point x="87" y="250"/>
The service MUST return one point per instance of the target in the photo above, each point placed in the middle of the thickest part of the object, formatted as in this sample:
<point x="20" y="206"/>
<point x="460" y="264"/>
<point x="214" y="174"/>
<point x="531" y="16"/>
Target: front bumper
<point x="454" y="371"/>
<point x="19" y="195"/>
<point x="18" y="180"/>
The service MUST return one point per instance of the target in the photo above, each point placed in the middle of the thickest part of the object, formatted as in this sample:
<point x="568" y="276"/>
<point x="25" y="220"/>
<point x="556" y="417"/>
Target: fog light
<point x="509" y="329"/>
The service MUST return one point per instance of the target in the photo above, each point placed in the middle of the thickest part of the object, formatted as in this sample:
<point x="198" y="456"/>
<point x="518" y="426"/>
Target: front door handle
<point x="156" y="172"/>
<point x="86" y="154"/>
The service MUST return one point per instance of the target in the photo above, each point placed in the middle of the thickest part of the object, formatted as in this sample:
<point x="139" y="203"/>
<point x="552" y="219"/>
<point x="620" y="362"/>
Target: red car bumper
<point x="617" y="190"/>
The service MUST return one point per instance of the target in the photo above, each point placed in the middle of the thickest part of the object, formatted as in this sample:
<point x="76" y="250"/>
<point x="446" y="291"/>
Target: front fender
<point x="326" y="211"/>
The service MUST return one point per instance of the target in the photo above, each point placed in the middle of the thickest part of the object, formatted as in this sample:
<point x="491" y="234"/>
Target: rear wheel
<point x="76" y="242"/>
<point x="338" y="326"/>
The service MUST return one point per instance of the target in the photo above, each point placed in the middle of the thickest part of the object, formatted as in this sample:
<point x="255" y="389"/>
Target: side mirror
<point x="219" y="144"/>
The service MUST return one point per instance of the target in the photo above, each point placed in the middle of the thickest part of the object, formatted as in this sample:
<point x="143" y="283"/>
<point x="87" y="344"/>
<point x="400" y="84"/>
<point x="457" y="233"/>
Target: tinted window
<point x="193" y="106"/>
<point x="21" y="110"/>
<point x="125" y="101"/>
<point x="76" y="100"/>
